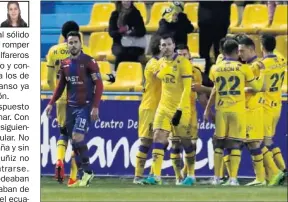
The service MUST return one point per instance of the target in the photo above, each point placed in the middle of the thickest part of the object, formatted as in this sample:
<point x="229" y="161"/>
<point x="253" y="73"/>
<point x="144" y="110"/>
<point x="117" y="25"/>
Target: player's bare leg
<point x="175" y="156"/>
<point x="61" y="151"/>
<point x="276" y="175"/>
<point x="141" y="157"/>
<point x="190" y="153"/>
<point x="219" y="145"/>
<point x="160" y="140"/>
<point x="82" y="158"/>
<point x="235" y="146"/>
<point x="257" y="157"/>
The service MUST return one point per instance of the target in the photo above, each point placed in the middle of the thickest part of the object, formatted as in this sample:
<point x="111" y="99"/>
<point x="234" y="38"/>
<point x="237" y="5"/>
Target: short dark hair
<point x="73" y="33"/>
<point x="239" y="37"/>
<point x="155" y="43"/>
<point x="268" y="41"/>
<point x="182" y="47"/>
<point x="247" y="42"/>
<point x="230" y="46"/>
<point x="69" y="26"/>
<point x="167" y="36"/>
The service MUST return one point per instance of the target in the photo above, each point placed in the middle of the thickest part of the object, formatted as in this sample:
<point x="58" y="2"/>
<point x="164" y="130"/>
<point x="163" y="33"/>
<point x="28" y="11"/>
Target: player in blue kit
<point x="80" y="74"/>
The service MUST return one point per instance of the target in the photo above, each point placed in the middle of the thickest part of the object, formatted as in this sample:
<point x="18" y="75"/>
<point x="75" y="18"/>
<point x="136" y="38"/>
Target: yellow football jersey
<point x="254" y="100"/>
<point x="176" y="76"/>
<point x="55" y="54"/>
<point x="152" y="86"/>
<point x="220" y="58"/>
<point x="229" y="78"/>
<point x="275" y="68"/>
<point x="196" y="78"/>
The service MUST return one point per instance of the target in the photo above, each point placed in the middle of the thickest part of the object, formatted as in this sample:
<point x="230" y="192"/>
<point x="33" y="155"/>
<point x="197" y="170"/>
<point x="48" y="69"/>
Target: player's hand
<point x="111" y="78"/>
<point x="176" y="118"/>
<point x="48" y="110"/>
<point x="207" y="115"/>
<point x="94" y="114"/>
<point x="196" y="87"/>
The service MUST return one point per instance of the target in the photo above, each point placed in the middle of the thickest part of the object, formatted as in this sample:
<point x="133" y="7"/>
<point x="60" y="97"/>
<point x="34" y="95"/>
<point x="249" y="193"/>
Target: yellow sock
<point x="74" y="169"/>
<point x="269" y="163"/>
<point x="158" y="156"/>
<point x="61" y="149"/>
<point x="259" y="167"/>
<point x="222" y="169"/>
<point x="218" y="158"/>
<point x="190" y="162"/>
<point x="151" y="170"/>
<point x="140" y="163"/>
<point x="226" y="160"/>
<point x="235" y="158"/>
<point x="278" y="158"/>
<point x="176" y="163"/>
<point x="184" y="169"/>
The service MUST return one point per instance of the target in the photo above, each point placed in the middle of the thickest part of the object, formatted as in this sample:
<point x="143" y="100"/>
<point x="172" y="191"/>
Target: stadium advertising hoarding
<point x="113" y="142"/>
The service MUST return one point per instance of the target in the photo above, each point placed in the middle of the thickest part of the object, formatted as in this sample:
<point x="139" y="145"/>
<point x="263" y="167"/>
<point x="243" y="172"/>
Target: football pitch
<point x="115" y="189"/>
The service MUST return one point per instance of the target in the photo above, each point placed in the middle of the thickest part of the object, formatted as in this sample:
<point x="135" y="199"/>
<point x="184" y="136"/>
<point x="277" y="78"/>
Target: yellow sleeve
<point x="250" y="78"/>
<point x="198" y="75"/>
<point x="51" y="69"/>
<point x="162" y="70"/>
<point x="186" y="74"/>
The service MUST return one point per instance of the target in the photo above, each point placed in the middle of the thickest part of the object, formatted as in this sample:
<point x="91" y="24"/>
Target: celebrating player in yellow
<point x="228" y="95"/>
<point x="147" y="110"/>
<point x="174" y="110"/>
<point x="183" y="50"/>
<point x="275" y="72"/>
<point x="55" y="55"/>
<point x="254" y="112"/>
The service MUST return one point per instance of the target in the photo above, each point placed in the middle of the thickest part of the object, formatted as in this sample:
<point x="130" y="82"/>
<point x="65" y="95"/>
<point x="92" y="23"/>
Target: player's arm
<point x="59" y="89"/>
<point x="98" y="84"/>
<point x="50" y="70"/>
<point x="197" y="87"/>
<point x="186" y="76"/>
<point x="256" y="84"/>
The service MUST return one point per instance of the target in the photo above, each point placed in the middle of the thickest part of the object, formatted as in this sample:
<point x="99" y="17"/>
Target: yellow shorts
<point x="254" y="124"/>
<point x="272" y="117"/>
<point x="163" y="121"/>
<point x="61" y="113"/>
<point x="194" y="125"/>
<point x="230" y="125"/>
<point x="145" y="123"/>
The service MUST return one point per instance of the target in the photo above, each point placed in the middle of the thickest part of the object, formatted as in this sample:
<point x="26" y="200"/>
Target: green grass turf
<point x="115" y="189"/>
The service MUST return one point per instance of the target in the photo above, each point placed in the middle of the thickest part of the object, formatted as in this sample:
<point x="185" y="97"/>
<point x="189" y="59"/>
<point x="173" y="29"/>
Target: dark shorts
<point x="78" y="119"/>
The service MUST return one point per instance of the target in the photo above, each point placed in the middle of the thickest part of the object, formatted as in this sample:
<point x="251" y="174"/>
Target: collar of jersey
<point x="270" y="56"/>
<point x="173" y="58"/>
<point x="252" y="59"/>
<point x="230" y="59"/>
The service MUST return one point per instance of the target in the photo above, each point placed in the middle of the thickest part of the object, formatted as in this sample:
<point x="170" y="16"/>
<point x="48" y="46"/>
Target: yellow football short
<point x="194" y="125"/>
<point x="254" y="124"/>
<point x="145" y="124"/>
<point x="272" y="117"/>
<point x="163" y="121"/>
<point x="61" y="113"/>
<point x="231" y="125"/>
